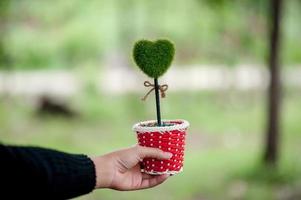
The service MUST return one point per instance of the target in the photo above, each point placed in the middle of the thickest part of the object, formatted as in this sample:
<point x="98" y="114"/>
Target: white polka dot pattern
<point x="172" y="141"/>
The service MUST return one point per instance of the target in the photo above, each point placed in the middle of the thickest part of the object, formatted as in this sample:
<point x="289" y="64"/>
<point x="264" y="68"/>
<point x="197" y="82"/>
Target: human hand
<point x="120" y="170"/>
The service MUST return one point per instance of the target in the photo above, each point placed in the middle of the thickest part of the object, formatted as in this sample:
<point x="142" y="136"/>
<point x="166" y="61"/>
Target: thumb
<point x="147" y="152"/>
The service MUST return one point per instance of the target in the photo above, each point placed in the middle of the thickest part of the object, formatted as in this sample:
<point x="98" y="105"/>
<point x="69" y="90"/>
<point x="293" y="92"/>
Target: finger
<point x="147" y="176"/>
<point x="154" y="181"/>
<point x="144" y="152"/>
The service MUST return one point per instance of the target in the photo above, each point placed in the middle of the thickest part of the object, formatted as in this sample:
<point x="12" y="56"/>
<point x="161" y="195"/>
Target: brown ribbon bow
<point x="162" y="89"/>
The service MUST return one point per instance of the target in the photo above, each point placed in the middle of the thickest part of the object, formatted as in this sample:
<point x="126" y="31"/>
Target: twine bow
<point x="162" y="89"/>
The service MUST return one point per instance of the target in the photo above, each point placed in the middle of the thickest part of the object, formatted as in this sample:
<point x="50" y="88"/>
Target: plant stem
<point x="157" y="101"/>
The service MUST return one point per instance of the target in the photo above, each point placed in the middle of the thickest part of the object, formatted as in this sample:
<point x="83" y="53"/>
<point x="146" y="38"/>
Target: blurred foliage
<point x="3" y="22"/>
<point x="60" y="33"/>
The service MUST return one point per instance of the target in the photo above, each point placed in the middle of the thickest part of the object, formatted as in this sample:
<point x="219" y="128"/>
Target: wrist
<point x="103" y="171"/>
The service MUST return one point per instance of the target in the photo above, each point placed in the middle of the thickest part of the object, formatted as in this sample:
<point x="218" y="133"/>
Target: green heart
<point x="153" y="58"/>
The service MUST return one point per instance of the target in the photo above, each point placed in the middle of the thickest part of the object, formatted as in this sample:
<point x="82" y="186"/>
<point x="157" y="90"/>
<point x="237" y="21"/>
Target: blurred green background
<point x="89" y="38"/>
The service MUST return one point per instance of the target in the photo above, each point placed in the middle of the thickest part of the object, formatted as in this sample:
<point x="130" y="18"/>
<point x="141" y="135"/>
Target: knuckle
<point x="159" y="150"/>
<point x="138" y="149"/>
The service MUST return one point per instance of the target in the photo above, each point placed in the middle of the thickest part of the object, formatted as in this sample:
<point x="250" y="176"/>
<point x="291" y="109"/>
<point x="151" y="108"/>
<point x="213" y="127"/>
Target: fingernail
<point x="168" y="154"/>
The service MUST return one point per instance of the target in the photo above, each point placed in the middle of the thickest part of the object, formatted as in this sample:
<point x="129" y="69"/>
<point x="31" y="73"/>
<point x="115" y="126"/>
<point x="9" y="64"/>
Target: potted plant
<point x="154" y="59"/>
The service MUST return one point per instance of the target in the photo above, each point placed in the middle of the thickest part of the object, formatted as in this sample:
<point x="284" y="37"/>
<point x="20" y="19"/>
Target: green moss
<point x="153" y="58"/>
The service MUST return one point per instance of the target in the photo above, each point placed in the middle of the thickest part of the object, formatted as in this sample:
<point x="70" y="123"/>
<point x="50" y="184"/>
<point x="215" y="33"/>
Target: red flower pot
<point x="168" y="138"/>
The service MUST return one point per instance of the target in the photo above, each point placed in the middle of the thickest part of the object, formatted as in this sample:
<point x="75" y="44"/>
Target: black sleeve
<point x="38" y="173"/>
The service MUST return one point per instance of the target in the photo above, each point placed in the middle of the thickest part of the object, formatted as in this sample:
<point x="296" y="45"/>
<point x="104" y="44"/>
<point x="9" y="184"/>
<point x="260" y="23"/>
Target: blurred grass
<point x="224" y="142"/>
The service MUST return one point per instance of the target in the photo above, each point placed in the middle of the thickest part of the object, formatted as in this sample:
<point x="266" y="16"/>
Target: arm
<point x="42" y="173"/>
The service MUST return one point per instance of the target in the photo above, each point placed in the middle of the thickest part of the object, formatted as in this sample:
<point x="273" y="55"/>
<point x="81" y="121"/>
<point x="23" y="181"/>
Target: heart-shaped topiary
<point x="153" y="58"/>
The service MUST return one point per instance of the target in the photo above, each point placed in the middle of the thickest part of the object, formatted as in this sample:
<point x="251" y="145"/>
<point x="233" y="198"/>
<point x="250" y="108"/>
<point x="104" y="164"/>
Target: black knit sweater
<point x="38" y="173"/>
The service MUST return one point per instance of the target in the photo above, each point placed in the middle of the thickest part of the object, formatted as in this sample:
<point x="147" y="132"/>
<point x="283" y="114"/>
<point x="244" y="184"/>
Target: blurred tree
<point x="4" y="7"/>
<point x="5" y="61"/>
<point x="272" y="136"/>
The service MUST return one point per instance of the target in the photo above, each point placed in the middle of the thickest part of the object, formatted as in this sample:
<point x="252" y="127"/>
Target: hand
<point x="120" y="170"/>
